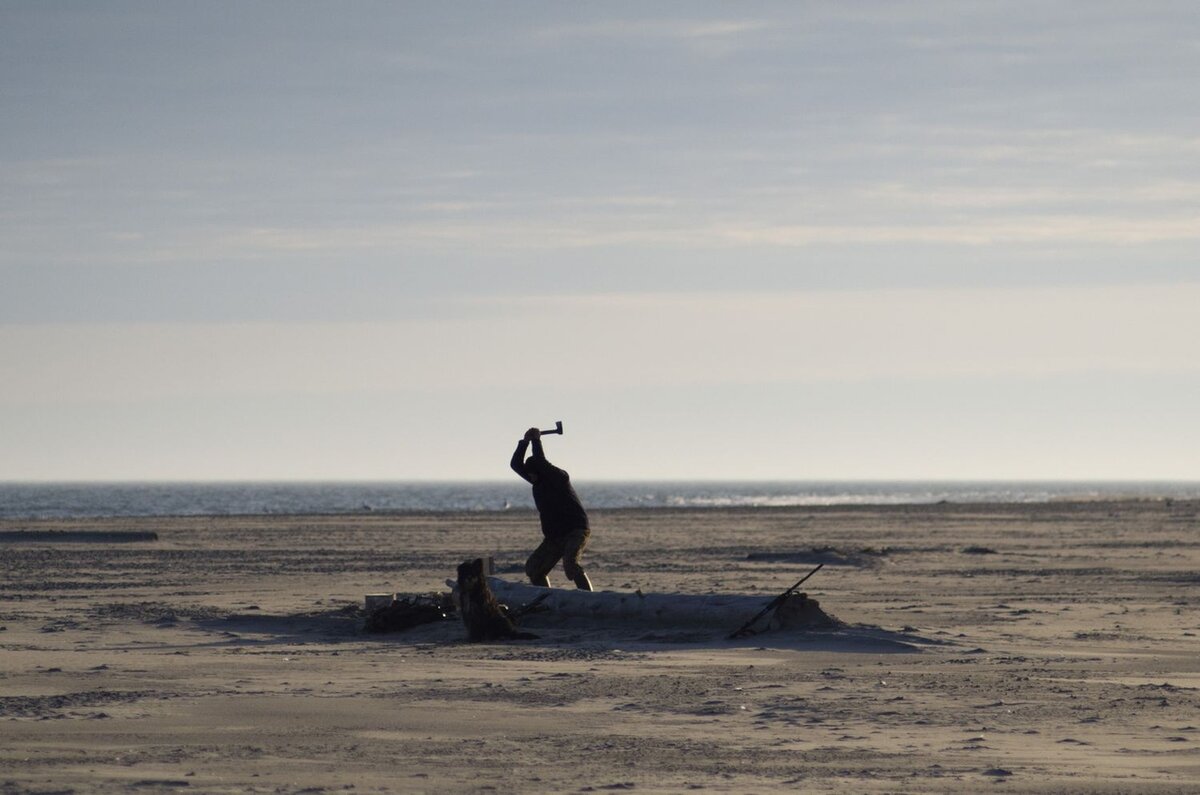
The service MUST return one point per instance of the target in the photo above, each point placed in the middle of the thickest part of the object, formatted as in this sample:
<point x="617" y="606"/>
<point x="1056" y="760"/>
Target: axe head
<point x="557" y="428"/>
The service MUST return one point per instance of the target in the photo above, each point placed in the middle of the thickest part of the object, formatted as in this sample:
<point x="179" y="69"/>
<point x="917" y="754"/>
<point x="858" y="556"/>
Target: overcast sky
<point x="795" y="240"/>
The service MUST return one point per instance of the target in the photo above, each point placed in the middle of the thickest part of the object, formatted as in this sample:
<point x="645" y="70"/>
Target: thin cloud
<point x="992" y="231"/>
<point x="705" y="38"/>
<point x="669" y="232"/>
<point x="670" y="29"/>
<point x="1003" y="196"/>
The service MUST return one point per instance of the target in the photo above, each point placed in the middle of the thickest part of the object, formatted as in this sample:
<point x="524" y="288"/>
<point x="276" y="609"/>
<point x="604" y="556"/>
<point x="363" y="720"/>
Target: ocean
<point x="93" y="500"/>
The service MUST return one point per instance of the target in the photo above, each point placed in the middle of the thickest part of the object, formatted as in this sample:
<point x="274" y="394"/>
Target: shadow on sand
<point x="346" y="625"/>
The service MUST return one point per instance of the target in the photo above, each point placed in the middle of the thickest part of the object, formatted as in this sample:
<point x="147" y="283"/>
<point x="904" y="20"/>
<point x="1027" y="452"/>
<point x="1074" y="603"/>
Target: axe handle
<point x="778" y="600"/>
<point x="557" y="429"/>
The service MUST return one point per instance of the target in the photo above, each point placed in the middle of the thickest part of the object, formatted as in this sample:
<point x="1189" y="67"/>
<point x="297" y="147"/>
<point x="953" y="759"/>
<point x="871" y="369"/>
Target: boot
<point x="582" y="582"/>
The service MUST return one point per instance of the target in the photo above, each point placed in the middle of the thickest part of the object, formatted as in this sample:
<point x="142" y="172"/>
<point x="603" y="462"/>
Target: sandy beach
<point x="1018" y="648"/>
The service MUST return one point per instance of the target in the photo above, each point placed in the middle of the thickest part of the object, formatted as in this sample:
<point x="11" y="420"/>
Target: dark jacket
<point x="558" y="505"/>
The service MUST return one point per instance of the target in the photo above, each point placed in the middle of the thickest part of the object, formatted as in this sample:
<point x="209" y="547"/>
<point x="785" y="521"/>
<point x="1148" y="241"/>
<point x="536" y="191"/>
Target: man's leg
<point x="572" y="551"/>
<point x="542" y="561"/>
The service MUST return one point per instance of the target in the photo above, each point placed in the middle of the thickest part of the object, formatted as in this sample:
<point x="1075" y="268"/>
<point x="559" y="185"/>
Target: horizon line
<point x="501" y="481"/>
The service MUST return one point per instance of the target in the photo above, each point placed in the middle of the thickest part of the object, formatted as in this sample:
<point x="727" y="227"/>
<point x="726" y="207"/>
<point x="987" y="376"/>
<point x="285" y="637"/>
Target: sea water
<point x="66" y="500"/>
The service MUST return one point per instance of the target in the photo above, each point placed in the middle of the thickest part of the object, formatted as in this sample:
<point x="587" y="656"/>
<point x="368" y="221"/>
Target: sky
<point x="754" y="240"/>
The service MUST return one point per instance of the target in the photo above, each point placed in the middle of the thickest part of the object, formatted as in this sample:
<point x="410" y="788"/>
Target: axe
<point x="557" y="429"/>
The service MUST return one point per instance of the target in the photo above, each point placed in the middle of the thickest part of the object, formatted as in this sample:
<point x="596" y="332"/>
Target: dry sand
<point x="1054" y="649"/>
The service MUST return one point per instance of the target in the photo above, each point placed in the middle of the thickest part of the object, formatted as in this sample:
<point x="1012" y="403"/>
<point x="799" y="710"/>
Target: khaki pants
<point x="568" y="548"/>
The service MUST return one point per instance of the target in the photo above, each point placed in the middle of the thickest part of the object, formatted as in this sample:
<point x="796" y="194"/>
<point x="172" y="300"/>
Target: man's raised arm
<point x="518" y="459"/>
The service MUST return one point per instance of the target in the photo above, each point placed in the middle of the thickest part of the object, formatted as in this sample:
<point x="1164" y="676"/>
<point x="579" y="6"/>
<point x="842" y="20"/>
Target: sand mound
<point x="75" y="536"/>
<point x="830" y="556"/>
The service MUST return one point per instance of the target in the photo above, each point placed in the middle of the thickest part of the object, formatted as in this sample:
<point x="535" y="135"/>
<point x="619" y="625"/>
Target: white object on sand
<point x="718" y="611"/>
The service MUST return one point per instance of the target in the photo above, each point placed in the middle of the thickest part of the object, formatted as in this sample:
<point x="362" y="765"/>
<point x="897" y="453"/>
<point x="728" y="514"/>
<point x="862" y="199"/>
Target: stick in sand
<point x="778" y="600"/>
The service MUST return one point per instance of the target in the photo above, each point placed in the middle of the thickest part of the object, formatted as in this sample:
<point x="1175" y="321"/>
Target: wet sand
<point x="1017" y="648"/>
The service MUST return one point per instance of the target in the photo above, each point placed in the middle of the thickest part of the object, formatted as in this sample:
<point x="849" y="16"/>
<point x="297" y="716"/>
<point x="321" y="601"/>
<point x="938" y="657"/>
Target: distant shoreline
<point x="32" y="527"/>
<point x="64" y="501"/>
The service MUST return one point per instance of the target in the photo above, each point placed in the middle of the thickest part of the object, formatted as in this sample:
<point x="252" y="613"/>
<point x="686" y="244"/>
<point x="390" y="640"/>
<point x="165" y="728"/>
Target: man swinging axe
<point x="565" y="527"/>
